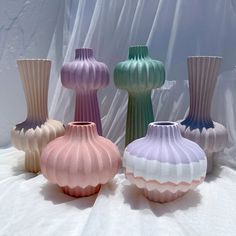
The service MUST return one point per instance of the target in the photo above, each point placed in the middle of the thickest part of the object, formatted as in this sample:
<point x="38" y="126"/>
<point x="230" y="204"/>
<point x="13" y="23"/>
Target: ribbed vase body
<point x="139" y="75"/>
<point x="85" y="75"/>
<point x="81" y="160"/>
<point x="198" y="125"/>
<point x="163" y="163"/>
<point x="37" y="130"/>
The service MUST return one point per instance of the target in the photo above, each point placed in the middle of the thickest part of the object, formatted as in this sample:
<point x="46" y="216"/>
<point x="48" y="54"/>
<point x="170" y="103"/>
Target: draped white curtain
<point x="173" y="30"/>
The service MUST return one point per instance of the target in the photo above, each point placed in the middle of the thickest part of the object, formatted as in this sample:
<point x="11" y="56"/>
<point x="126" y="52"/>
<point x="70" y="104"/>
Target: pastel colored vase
<point x="163" y="163"/>
<point x="139" y="75"/>
<point x="85" y="75"/>
<point x="37" y="130"/>
<point x="198" y="125"/>
<point x="81" y="160"/>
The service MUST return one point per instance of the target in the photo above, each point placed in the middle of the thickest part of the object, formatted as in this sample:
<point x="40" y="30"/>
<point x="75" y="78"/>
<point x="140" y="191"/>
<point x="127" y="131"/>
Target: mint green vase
<point x="139" y="75"/>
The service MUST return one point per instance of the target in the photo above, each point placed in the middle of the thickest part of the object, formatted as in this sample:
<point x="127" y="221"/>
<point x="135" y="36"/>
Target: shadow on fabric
<point x="134" y="197"/>
<point x="53" y="193"/>
<point x="19" y="169"/>
<point x="214" y="175"/>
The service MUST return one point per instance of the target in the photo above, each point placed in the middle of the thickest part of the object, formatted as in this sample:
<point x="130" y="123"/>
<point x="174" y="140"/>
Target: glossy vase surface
<point x="198" y="126"/>
<point x="139" y="75"/>
<point x="37" y="130"/>
<point x="81" y="160"/>
<point x="163" y="163"/>
<point x="85" y="75"/>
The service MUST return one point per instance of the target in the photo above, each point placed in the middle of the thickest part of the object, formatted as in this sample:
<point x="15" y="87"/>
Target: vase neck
<point x="83" y="53"/>
<point x="87" y="109"/>
<point x="35" y="78"/>
<point x="139" y="115"/>
<point x="81" y="130"/>
<point x="163" y="131"/>
<point x="138" y="52"/>
<point x="202" y="72"/>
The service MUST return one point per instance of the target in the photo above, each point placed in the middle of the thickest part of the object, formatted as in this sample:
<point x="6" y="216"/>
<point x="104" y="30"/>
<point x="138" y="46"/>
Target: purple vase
<point x="85" y="75"/>
<point x="163" y="163"/>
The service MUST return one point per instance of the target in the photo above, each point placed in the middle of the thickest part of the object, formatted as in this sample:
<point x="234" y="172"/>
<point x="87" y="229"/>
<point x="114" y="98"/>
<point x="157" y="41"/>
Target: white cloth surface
<point x="32" y="206"/>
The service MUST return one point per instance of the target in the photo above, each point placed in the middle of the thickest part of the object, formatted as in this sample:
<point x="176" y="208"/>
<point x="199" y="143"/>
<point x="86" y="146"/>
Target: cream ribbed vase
<point x="198" y="126"/>
<point x="37" y="130"/>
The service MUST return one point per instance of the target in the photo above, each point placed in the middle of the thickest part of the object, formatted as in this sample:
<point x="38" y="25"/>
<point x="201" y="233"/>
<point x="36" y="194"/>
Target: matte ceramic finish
<point x="85" y="75"/>
<point x="163" y="163"/>
<point x="198" y="125"/>
<point x="37" y="130"/>
<point x="81" y="160"/>
<point x="139" y="75"/>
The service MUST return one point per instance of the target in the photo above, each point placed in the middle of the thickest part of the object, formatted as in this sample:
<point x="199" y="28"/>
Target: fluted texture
<point x="81" y="160"/>
<point x="139" y="75"/>
<point x="37" y="130"/>
<point x="85" y="75"/>
<point x="34" y="75"/>
<point x="198" y="126"/>
<point x="164" y="163"/>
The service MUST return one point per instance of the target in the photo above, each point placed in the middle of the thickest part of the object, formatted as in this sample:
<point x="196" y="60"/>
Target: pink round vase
<point x="163" y="163"/>
<point x="81" y="160"/>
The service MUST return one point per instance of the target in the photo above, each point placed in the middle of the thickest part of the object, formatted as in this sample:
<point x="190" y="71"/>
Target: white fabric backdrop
<point x="173" y="30"/>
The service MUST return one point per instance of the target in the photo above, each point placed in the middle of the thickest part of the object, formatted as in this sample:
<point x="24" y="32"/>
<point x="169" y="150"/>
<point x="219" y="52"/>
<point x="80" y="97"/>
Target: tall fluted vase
<point x="37" y="130"/>
<point x="198" y="126"/>
<point x="139" y="75"/>
<point x="85" y="75"/>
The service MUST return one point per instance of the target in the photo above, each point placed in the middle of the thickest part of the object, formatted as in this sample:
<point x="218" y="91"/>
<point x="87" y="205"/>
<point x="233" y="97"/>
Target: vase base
<point x="162" y="197"/>
<point x="32" y="162"/>
<point x="210" y="161"/>
<point x="81" y="192"/>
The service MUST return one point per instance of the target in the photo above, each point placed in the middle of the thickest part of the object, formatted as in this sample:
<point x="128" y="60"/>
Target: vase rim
<point x="164" y="123"/>
<point x="81" y="123"/>
<point x="90" y="49"/>
<point x="32" y="59"/>
<point x="138" y="46"/>
<point x="216" y="57"/>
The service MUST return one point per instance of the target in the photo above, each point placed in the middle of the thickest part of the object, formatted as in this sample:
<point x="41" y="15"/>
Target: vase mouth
<point x="81" y="123"/>
<point x="164" y="123"/>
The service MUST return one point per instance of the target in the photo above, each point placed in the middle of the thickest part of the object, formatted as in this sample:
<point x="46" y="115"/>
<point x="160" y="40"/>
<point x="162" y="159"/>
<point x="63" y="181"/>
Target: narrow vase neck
<point x="163" y="131"/>
<point x="35" y="78"/>
<point x="87" y="109"/>
<point x="139" y="115"/>
<point x="83" y="53"/>
<point x="138" y="52"/>
<point x="202" y="72"/>
<point x="81" y="130"/>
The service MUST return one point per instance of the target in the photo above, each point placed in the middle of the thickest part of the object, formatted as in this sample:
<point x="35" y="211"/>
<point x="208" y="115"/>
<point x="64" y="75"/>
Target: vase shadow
<point x="214" y="175"/>
<point x="19" y="169"/>
<point x="137" y="201"/>
<point x="109" y="188"/>
<point x="54" y="193"/>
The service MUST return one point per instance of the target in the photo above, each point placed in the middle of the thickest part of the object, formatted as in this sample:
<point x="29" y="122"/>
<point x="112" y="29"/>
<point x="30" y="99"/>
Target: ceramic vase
<point x="81" y="160"/>
<point x="198" y="125"/>
<point x="37" y="130"/>
<point x="163" y="163"/>
<point x="139" y="75"/>
<point x="85" y="75"/>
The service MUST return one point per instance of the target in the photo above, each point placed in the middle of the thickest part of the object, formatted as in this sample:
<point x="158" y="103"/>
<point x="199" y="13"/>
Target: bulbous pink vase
<point x="81" y="160"/>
